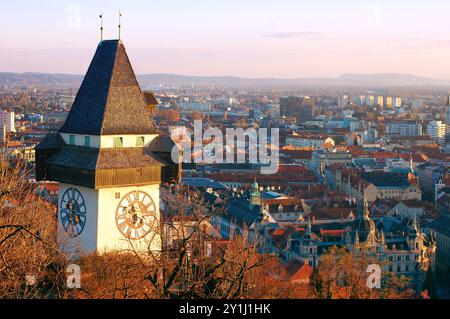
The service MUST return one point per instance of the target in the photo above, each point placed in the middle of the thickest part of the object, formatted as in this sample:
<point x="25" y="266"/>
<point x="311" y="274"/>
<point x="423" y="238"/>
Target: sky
<point x="248" y="38"/>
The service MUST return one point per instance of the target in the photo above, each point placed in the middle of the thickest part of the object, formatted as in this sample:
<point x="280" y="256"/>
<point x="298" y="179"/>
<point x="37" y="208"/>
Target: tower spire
<point x="415" y="225"/>
<point x="308" y="227"/>
<point x="120" y="25"/>
<point x="101" y="26"/>
<point x="362" y="207"/>
<point x="411" y="163"/>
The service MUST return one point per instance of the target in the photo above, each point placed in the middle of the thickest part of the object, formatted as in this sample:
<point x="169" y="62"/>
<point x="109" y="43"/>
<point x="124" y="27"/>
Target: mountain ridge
<point x="173" y="80"/>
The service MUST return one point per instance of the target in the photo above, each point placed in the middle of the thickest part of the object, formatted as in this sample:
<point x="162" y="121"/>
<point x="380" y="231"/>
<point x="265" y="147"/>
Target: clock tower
<point x="110" y="161"/>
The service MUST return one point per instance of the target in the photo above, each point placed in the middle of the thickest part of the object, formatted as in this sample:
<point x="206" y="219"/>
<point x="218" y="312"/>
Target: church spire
<point x="363" y="208"/>
<point x="308" y="227"/>
<point x="415" y="221"/>
<point x="363" y="226"/>
<point x="255" y="196"/>
<point x="411" y="164"/>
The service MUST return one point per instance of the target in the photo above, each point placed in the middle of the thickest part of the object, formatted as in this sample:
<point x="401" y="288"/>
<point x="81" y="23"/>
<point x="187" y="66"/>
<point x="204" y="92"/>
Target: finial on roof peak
<point x="101" y="27"/>
<point x="120" y="26"/>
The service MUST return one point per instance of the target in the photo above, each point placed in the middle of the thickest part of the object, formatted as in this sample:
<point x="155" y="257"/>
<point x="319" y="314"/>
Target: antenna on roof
<point x="101" y="26"/>
<point x="120" y="25"/>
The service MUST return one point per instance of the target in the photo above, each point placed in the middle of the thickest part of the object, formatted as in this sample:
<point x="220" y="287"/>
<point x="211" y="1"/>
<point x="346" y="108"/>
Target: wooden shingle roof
<point x="109" y="101"/>
<point x="95" y="159"/>
<point x="51" y="141"/>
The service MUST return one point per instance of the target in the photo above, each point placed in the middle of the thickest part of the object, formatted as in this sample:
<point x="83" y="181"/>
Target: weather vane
<point x="101" y="26"/>
<point x="120" y="25"/>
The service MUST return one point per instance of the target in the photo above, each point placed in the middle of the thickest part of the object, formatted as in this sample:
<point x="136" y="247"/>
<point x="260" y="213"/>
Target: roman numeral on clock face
<point x="136" y="215"/>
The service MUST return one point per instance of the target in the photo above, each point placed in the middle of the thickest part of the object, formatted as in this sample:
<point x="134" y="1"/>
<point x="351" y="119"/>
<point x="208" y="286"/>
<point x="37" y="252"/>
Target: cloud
<point x="291" y="35"/>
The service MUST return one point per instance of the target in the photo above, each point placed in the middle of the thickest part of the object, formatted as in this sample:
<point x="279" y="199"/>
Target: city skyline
<point x="286" y="39"/>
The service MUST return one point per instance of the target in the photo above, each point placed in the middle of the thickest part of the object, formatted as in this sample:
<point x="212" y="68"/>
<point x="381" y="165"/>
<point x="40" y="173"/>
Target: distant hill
<point x="174" y="80"/>
<point x="390" y="79"/>
<point x="40" y="79"/>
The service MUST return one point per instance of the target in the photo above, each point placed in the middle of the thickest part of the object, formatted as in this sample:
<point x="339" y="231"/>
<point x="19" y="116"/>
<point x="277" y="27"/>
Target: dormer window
<point x="118" y="142"/>
<point x="87" y="141"/>
<point x="72" y="139"/>
<point x="140" y="141"/>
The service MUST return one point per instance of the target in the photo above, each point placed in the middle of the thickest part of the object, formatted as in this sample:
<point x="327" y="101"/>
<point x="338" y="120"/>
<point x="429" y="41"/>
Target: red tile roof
<point x="331" y="232"/>
<point x="278" y="232"/>
<point x="51" y="187"/>
<point x="300" y="273"/>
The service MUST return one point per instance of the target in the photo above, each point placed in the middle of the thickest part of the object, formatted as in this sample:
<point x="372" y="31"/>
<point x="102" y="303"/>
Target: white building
<point x="315" y="141"/>
<point x="389" y="102"/>
<point x="417" y="103"/>
<point x="380" y="101"/>
<point x="406" y="128"/>
<point x="7" y="122"/>
<point x="360" y="100"/>
<point x="354" y="125"/>
<point x="357" y="137"/>
<point x="398" y="102"/>
<point x="342" y="101"/>
<point x="437" y="129"/>
<point x="447" y="111"/>
<point x="370" y="100"/>
<point x="196" y="106"/>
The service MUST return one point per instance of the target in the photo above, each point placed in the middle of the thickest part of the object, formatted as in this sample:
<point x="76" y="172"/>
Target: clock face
<point x="136" y="215"/>
<point x="73" y="212"/>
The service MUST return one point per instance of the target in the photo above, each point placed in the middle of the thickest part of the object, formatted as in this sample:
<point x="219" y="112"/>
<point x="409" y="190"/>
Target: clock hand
<point x="81" y="213"/>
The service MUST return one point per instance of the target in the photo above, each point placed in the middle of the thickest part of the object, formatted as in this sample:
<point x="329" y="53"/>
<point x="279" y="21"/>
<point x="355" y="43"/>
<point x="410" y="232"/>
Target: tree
<point x="396" y="287"/>
<point x="194" y="261"/>
<point x="31" y="266"/>
<point x="342" y="275"/>
<point x="112" y="276"/>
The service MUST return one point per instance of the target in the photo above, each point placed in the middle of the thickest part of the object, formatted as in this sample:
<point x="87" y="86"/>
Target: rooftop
<point x="109" y="100"/>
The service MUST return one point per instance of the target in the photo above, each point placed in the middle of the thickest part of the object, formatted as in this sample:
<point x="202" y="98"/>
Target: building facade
<point x="406" y="251"/>
<point x="437" y="130"/>
<point x="404" y="129"/>
<point x="7" y="122"/>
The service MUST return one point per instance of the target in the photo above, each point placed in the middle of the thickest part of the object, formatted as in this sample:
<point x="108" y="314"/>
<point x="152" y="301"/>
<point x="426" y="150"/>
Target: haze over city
<point x="284" y="39"/>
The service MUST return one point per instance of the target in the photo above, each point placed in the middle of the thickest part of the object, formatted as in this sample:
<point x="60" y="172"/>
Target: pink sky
<point x="283" y="38"/>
